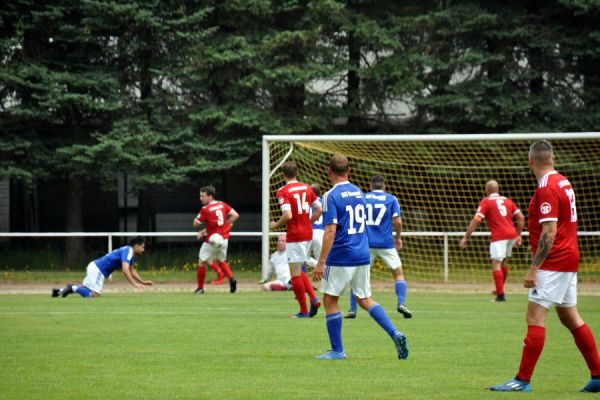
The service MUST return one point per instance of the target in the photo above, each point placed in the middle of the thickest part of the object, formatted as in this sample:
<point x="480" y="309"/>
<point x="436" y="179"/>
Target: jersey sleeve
<point x="311" y="197"/>
<point x="227" y="209"/>
<point x="513" y="207"/>
<point x="482" y="209"/>
<point x="547" y="204"/>
<point x="127" y="255"/>
<point x="329" y="210"/>
<point x="396" y="211"/>
<point x="283" y="200"/>
<point x="202" y="215"/>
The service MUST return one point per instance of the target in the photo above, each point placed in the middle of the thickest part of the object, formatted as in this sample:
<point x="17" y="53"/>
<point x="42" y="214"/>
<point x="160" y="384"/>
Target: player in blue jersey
<point x="98" y="270"/>
<point x="344" y="259"/>
<point x="383" y="211"/>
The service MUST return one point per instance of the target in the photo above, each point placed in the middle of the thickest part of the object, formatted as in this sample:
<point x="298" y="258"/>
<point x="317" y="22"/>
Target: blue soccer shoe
<point x="593" y="386"/>
<point x="512" y="385"/>
<point x="332" y="355"/>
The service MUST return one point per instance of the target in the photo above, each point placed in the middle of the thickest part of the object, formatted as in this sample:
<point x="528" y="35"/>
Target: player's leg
<point x="220" y="276"/>
<point x="360" y="284"/>
<point x="391" y="258"/>
<point x="335" y="282"/>
<point x="274" y="286"/>
<point x="353" y="305"/>
<point x="497" y="255"/>
<point x="221" y="256"/>
<point x="584" y="338"/>
<point x="204" y="256"/>
<point x="92" y="283"/>
<point x="505" y="268"/>
<point x="298" y="288"/>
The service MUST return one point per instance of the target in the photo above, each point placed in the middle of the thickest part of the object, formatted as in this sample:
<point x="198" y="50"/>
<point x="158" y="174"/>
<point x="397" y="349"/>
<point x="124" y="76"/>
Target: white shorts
<point x="209" y="252"/>
<point x="297" y="252"/>
<point x="554" y="288"/>
<point x="337" y="279"/>
<point x="94" y="279"/>
<point x="389" y="256"/>
<point x="316" y="243"/>
<point x="501" y="249"/>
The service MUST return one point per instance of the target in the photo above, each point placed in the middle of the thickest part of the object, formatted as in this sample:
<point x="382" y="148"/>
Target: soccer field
<point x="243" y="346"/>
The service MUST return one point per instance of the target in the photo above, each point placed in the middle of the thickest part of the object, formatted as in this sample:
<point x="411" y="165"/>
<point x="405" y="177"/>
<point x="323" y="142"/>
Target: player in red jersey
<point x="499" y="212"/>
<point x="217" y="218"/>
<point x="296" y="200"/>
<point x="552" y="277"/>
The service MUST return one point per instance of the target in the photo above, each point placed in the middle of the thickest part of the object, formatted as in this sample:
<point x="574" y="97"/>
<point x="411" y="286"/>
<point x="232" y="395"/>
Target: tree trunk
<point x="353" y="100"/>
<point x="144" y="211"/>
<point x="74" y="251"/>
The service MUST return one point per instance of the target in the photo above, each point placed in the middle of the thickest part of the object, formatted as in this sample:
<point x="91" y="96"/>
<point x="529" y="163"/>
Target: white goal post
<point x="457" y="158"/>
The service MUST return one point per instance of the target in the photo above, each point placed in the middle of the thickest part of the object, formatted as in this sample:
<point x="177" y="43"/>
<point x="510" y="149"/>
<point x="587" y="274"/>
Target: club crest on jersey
<point x="545" y="208"/>
<point x="281" y="200"/>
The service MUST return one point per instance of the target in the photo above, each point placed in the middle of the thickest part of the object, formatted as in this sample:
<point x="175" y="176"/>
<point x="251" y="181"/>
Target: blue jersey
<point x="382" y="208"/>
<point x="344" y="205"/>
<point x="318" y="224"/>
<point x="112" y="261"/>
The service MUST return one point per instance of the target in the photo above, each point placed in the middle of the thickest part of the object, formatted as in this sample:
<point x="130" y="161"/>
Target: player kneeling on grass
<point x="278" y="263"/>
<point x="98" y="270"/>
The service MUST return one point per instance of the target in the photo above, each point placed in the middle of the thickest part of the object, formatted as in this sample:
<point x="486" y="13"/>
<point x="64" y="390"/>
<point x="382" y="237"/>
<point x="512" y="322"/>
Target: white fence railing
<point x="110" y="235"/>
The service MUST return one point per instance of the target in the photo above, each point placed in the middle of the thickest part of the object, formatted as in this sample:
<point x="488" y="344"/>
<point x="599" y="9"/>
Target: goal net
<point x="439" y="181"/>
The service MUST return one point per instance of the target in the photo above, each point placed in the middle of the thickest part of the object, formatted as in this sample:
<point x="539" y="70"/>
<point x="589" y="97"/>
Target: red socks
<point x="216" y="268"/>
<point x="308" y="287"/>
<point x="584" y="339"/>
<point x="200" y="275"/>
<point x="499" y="281"/>
<point x="505" y="272"/>
<point x="226" y="270"/>
<point x="298" y="288"/>
<point x="532" y="349"/>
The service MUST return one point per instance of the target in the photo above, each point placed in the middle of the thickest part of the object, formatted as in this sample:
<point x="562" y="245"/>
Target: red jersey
<point x="215" y="215"/>
<point x="554" y="200"/>
<point x="499" y="212"/>
<point x="297" y="197"/>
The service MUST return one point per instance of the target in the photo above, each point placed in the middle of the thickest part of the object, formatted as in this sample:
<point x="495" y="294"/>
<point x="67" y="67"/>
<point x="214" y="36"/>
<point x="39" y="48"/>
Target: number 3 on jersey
<point x="356" y="215"/>
<point x="220" y="217"/>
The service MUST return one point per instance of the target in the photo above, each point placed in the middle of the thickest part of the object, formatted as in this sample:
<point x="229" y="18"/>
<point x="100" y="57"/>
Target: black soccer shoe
<point x="199" y="291"/>
<point x="350" y="315"/>
<point x="67" y="290"/>
<point x="404" y="311"/>
<point x="500" y="298"/>
<point x="55" y="292"/>
<point x="232" y="285"/>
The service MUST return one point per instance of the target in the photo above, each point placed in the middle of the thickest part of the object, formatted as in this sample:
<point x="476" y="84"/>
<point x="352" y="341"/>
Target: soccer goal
<point x="439" y="180"/>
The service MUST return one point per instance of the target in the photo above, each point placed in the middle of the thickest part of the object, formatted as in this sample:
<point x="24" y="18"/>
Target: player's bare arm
<point x="138" y="278"/>
<point x="127" y="272"/>
<point x="201" y="233"/>
<point x="316" y="213"/>
<point x="470" y="229"/>
<point x="328" y="238"/>
<point x="544" y="246"/>
<point x="398" y="229"/>
<point x="283" y="220"/>
<point x="520" y="224"/>
<point x="197" y="223"/>
<point x="232" y="217"/>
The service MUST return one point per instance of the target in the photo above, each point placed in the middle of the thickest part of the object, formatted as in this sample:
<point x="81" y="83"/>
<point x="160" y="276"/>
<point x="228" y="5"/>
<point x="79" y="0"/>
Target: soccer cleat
<point x="404" y="311"/>
<point x="593" y="386"/>
<point x="351" y="314"/>
<point x="512" y="385"/>
<point x="217" y="282"/>
<point x="55" y="292"/>
<point x="67" y="290"/>
<point x="314" y="307"/>
<point x="232" y="285"/>
<point x="401" y="345"/>
<point x="300" y="315"/>
<point x="331" y="355"/>
<point x="500" y="298"/>
<point x="199" y="291"/>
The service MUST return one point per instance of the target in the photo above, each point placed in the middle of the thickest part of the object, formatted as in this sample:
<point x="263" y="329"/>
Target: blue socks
<point x="334" y="329"/>
<point x="352" y="301"/>
<point x="83" y="291"/>
<point x="400" y="288"/>
<point x="378" y="314"/>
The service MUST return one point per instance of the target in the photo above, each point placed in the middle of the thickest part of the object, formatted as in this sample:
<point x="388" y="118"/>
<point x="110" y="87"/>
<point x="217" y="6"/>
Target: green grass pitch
<point x="244" y="346"/>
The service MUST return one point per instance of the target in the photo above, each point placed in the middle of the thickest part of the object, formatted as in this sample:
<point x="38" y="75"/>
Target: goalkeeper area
<point x="439" y="181"/>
